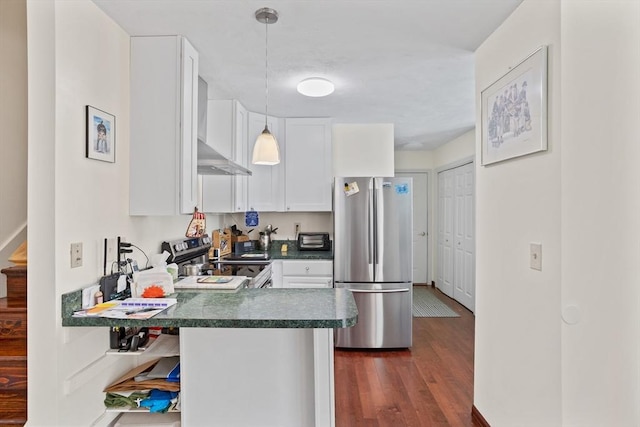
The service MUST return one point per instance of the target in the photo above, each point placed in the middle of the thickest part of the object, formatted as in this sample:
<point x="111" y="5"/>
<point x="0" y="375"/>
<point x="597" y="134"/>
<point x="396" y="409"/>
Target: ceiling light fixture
<point x="266" y="151"/>
<point x="316" y="87"/>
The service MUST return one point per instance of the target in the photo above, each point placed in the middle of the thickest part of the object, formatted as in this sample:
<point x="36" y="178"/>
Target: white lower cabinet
<point x="307" y="282"/>
<point x="276" y="273"/>
<point x="257" y="377"/>
<point x="307" y="274"/>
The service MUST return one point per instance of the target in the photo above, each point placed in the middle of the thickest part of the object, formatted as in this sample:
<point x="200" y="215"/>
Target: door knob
<point x="423" y="234"/>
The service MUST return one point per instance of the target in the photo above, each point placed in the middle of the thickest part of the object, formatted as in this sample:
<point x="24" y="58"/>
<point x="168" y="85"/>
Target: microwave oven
<point x="314" y="242"/>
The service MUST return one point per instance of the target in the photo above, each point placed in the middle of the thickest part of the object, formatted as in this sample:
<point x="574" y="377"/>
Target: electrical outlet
<point x="76" y="255"/>
<point x="112" y="250"/>
<point x="535" y="256"/>
<point x="296" y="228"/>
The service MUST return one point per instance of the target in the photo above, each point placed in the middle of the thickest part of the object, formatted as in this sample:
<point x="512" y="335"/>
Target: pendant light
<point x="266" y="151"/>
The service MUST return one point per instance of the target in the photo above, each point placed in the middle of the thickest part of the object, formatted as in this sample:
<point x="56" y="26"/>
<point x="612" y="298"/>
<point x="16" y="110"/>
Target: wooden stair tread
<point x="13" y="348"/>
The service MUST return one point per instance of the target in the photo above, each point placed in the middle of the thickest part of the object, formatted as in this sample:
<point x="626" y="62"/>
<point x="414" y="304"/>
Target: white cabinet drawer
<point x="307" y="282"/>
<point x="307" y="268"/>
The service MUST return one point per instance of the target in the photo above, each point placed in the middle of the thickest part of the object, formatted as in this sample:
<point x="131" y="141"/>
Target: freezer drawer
<point x="384" y="319"/>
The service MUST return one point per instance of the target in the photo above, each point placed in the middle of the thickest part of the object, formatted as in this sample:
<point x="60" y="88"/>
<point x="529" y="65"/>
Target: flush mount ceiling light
<point x="266" y="151"/>
<point x="315" y="87"/>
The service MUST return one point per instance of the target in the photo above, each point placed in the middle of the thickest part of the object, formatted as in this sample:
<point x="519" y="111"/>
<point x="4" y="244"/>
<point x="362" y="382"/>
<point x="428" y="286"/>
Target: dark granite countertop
<point x="246" y="308"/>
<point x="294" y="254"/>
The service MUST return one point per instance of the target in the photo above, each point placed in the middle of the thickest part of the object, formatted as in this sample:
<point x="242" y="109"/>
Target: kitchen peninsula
<point x="252" y="357"/>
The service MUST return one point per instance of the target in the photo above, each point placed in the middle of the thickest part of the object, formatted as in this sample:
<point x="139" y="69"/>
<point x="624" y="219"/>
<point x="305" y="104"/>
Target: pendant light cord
<point x="266" y="68"/>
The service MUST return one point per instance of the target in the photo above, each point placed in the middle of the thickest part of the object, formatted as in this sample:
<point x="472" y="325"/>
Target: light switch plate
<point x="535" y="256"/>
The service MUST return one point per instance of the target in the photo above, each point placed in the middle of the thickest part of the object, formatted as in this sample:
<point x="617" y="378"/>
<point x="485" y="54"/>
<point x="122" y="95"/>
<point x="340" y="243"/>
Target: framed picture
<point x="101" y="135"/>
<point x="514" y="111"/>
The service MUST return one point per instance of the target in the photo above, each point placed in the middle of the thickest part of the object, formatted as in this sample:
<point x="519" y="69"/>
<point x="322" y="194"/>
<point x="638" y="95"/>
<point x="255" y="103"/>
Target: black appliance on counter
<point x="195" y="250"/>
<point x="314" y="242"/>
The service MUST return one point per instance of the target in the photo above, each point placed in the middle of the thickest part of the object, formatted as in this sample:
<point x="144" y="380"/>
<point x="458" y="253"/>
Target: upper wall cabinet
<point x="266" y="184"/>
<point x="308" y="167"/>
<point x="227" y="134"/>
<point x="164" y="126"/>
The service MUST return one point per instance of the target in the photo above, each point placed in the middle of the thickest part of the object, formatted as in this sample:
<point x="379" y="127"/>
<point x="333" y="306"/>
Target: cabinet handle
<point x="307" y="268"/>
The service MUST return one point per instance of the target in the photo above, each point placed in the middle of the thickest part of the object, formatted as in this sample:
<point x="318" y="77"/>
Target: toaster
<point x="314" y="242"/>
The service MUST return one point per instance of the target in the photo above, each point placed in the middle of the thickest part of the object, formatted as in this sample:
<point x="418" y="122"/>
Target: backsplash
<point x="285" y="223"/>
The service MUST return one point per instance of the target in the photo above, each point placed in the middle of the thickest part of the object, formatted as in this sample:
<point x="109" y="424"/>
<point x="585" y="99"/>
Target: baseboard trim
<point x="478" y="418"/>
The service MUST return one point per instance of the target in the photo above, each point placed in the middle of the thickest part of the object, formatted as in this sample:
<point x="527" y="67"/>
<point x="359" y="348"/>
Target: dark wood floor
<point x="429" y="385"/>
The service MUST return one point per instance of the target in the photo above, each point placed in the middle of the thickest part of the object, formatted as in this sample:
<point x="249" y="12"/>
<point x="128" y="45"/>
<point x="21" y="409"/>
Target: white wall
<point x="518" y="333"/>
<point x="77" y="57"/>
<point x="13" y="138"/>
<point x="362" y="149"/>
<point x="462" y="147"/>
<point x="600" y="213"/>
<point x="416" y="160"/>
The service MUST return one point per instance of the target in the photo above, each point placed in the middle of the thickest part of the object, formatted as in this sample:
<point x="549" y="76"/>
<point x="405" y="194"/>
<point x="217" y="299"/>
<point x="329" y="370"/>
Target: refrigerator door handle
<point x="378" y="291"/>
<point x="370" y="228"/>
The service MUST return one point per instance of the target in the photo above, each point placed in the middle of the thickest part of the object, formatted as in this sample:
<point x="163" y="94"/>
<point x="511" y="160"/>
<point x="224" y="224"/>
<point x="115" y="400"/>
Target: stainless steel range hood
<point x="210" y="162"/>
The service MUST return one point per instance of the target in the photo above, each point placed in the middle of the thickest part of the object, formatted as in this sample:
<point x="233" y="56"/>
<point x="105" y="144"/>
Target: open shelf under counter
<point x="162" y="346"/>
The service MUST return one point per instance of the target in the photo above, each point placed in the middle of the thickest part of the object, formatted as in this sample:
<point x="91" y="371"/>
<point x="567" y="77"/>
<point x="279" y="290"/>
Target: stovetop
<point x="247" y="257"/>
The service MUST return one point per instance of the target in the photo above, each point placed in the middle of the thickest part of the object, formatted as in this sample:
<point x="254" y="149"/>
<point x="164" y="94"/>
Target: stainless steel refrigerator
<point x="373" y="257"/>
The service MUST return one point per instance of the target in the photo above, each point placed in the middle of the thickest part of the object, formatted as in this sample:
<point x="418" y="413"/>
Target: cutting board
<point x="191" y="282"/>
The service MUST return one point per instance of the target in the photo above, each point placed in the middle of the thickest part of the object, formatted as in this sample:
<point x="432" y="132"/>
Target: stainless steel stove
<point x="188" y="250"/>
<point x="195" y="251"/>
<point x="255" y="266"/>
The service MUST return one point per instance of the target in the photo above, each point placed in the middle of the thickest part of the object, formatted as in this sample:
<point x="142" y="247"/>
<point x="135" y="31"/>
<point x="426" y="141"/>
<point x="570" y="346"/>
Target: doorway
<point x="420" y="240"/>
<point x="456" y="234"/>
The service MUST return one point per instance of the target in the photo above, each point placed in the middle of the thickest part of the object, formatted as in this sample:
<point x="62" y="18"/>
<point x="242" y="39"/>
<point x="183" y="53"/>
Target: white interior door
<point x="464" y="259"/>
<point x="444" y="280"/>
<point x="456" y="234"/>
<point x="420" y="221"/>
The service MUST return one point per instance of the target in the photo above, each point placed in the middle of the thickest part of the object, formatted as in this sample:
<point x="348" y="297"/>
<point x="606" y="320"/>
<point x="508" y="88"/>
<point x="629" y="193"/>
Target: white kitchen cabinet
<point x="307" y="274"/>
<point x="227" y="134"/>
<point x="265" y="187"/>
<point x="164" y="125"/>
<point x="276" y="273"/>
<point x="308" y="171"/>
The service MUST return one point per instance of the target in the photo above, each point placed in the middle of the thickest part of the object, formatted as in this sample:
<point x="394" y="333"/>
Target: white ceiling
<point x="406" y="62"/>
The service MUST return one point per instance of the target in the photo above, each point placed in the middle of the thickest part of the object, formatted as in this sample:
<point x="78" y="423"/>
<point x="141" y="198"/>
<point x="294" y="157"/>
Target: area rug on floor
<point x="426" y="304"/>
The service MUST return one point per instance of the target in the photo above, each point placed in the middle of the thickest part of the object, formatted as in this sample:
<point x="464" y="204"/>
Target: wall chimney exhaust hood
<point x="210" y="162"/>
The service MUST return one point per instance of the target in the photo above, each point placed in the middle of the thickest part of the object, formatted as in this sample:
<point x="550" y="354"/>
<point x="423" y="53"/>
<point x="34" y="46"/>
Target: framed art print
<point x="101" y="135"/>
<point x="514" y="111"/>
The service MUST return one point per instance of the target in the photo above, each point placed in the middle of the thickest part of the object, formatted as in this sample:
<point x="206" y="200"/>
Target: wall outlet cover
<point x="76" y="255"/>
